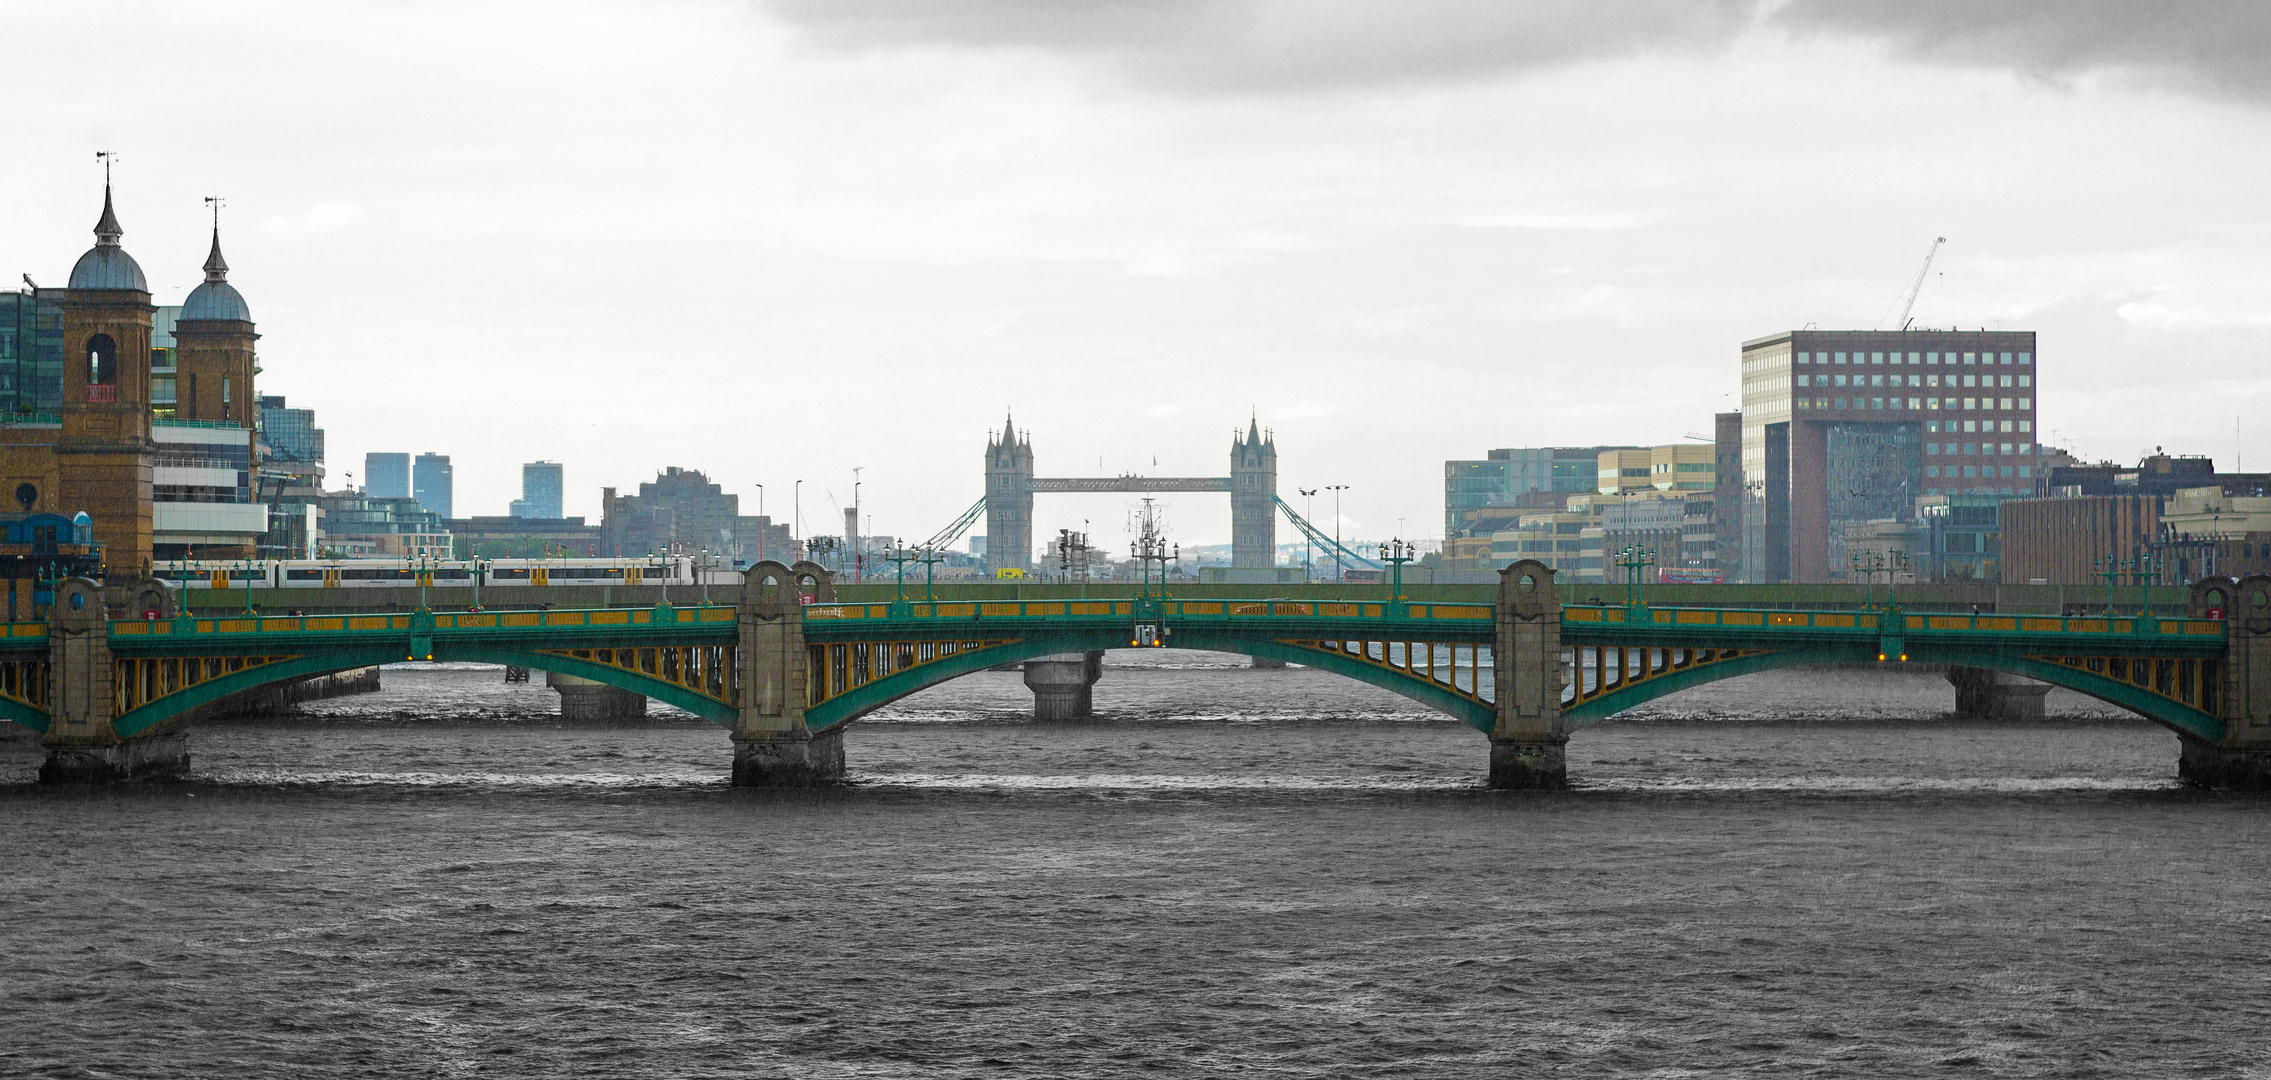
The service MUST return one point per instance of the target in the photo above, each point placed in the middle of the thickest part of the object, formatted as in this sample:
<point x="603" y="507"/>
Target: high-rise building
<point x="1843" y="427"/>
<point x="386" y="476"/>
<point x="541" y="483"/>
<point x="1727" y="496"/>
<point x="431" y="484"/>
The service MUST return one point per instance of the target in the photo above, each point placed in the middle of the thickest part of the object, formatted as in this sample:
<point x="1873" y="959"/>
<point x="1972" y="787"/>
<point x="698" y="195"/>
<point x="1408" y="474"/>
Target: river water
<point x="1277" y="873"/>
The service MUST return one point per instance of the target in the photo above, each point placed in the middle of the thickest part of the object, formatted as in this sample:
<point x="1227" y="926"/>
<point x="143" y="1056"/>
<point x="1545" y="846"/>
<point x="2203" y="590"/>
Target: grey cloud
<point x="1287" y="45"/>
<point x="2219" y="47"/>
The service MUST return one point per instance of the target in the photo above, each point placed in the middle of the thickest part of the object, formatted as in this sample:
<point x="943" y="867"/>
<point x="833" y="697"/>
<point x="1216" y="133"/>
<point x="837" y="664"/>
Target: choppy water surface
<point x="1275" y="872"/>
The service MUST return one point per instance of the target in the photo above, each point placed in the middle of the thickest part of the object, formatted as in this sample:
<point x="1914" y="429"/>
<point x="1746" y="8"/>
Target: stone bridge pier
<point x="82" y="747"/>
<point x="1987" y="694"/>
<point x="1529" y="744"/>
<point x="2241" y="760"/>
<point x="772" y="747"/>
<point x="1063" y="685"/>
<point x="587" y="699"/>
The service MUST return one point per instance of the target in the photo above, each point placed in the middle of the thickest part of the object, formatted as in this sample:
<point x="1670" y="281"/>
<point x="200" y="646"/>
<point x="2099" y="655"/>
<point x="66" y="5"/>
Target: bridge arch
<point x="2164" y="711"/>
<point x="862" y="700"/>
<point x="172" y="708"/>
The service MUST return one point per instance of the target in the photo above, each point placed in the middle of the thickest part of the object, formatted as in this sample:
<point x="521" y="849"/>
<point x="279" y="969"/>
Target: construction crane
<point x="1917" y="286"/>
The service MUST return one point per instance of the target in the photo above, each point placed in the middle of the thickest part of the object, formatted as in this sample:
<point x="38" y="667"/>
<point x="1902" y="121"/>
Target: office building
<point x="386" y="476"/>
<point x="1727" y="494"/>
<point x="1854" y="426"/>
<point x="541" y="483"/>
<point x="31" y="352"/>
<point x="431" y="483"/>
<point x="290" y="434"/>
<point x="1504" y="477"/>
<point x="681" y="512"/>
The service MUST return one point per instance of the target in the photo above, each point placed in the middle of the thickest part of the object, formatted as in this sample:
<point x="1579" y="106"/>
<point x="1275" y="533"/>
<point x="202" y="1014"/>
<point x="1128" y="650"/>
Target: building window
<point x="2026" y="425"/>
<point x="1971" y="472"/>
<point x="1840" y="403"/>
<point x="1876" y="380"/>
<point x="1970" y="359"/>
<point x="1932" y="471"/>
<point x="1912" y="403"/>
<point x="1971" y="404"/>
<point x="2025" y="472"/>
<point x="1840" y="380"/>
<point x="1803" y="380"/>
<point x="2026" y="404"/>
<point x="1840" y="358"/>
<point x="1876" y="358"/>
<point x="1931" y="403"/>
<point x="1931" y="358"/>
<point x="2006" y="469"/>
<point x="102" y="361"/>
<point x="1821" y="403"/>
<point x="2006" y="359"/>
<point x="2026" y="358"/>
<point x="1912" y="357"/>
<point x="1876" y="403"/>
<point x="2026" y="381"/>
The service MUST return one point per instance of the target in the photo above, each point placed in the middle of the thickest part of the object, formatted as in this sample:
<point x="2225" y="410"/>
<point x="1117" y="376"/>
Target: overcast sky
<point x="775" y="241"/>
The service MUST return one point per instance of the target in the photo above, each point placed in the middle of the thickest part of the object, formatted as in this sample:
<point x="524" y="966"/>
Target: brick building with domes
<point x="155" y="486"/>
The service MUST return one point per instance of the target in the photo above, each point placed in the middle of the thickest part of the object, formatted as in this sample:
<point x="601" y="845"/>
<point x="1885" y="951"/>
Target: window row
<point x="1935" y="426"/>
<point x="1929" y="358"/>
<point x="1977" y="472"/>
<point x="2024" y="381"/>
<point x="1933" y="449"/>
<point x="1930" y="404"/>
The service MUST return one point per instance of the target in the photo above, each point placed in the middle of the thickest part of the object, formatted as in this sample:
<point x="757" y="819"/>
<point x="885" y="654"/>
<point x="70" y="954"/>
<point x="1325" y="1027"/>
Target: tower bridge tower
<point x="1253" y="498"/>
<point x="1009" y="500"/>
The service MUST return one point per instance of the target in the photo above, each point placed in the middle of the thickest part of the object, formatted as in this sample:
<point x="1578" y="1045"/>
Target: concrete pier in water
<point x="1064" y="684"/>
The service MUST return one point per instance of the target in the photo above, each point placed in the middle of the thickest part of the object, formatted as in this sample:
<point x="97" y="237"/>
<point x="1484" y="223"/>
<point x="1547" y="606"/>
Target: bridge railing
<point x="1653" y="618"/>
<point x="1172" y="609"/>
<point x="140" y="629"/>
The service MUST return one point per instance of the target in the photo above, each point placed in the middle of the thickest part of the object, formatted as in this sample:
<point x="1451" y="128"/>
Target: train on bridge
<point x="443" y="573"/>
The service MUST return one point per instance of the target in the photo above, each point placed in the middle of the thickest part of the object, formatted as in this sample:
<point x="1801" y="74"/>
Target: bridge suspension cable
<point x="954" y="530"/>
<point x="1324" y="539"/>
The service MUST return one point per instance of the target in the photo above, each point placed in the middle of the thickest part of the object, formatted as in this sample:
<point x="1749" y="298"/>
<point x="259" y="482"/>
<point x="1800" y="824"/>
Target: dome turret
<point x="107" y="265"/>
<point x="216" y="298"/>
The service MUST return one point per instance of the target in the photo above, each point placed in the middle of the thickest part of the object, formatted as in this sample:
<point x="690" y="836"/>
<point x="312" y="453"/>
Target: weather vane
<point x="106" y="157"/>
<point x="215" y="201"/>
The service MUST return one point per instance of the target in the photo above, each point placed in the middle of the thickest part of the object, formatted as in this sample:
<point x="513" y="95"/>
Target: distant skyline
<point x="775" y="241"/>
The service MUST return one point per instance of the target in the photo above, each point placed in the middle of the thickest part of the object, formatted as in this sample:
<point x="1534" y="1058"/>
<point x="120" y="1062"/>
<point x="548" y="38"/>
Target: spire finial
<point x="216" y="267"/>
<point x="107" y="231"/>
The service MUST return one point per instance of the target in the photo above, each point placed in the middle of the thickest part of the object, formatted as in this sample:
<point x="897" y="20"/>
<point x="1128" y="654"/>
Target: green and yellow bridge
<point x="787" y="666"/>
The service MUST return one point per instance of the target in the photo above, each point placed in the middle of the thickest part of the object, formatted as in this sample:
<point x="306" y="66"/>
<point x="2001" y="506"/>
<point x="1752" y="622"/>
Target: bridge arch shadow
<point x="2161" y="710"/>
<point x="862" y="700"/>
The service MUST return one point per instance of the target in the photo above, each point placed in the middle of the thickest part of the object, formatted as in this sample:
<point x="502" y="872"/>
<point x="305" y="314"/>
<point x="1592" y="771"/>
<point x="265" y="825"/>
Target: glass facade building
<point x="386" y="476"/>
<point x="431" y="483"/>
<point x="31" y="353"/>
<point x="291" y="434"/>
<point x="1506" y="475"/>
<point x="540" y="490"/>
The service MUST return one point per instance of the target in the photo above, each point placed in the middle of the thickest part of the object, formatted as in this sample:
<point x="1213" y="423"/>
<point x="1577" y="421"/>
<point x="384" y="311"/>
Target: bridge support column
<point x="1063" y="685"/>
<point x="1528" y="746"/>
<point x="1987" y="694"/>
<point x="81" y="746"/>
<point x="2241" y="760"/>
<point x="772" y="747"/>
<point x="584" y="699"/>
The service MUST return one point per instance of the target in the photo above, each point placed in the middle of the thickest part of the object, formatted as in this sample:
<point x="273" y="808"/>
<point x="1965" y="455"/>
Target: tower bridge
<point x="1011" y="485"/>
<point x="788" y="665"/>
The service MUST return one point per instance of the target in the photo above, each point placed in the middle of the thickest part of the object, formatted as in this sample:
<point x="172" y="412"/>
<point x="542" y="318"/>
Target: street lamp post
<point x="1340" y="569"/>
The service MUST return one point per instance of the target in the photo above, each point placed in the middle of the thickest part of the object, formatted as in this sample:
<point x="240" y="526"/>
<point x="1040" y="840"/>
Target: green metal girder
<point x="2168" y="713"/>
<point x="152" y="716"/>
<point x="16" y="712"/>
<point x="669" y="693"/>
<point x="865" y="699"/>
